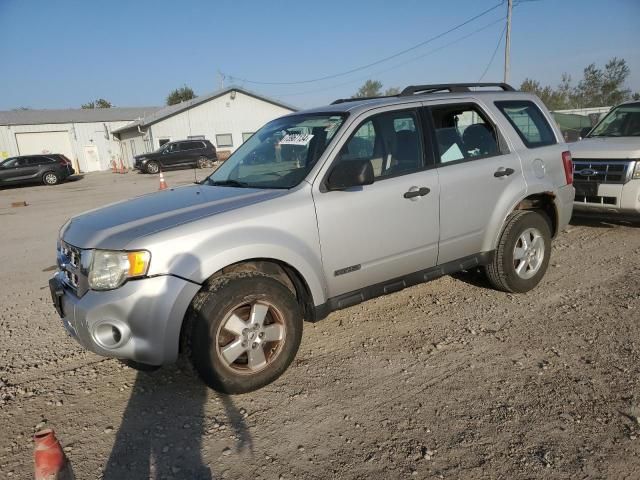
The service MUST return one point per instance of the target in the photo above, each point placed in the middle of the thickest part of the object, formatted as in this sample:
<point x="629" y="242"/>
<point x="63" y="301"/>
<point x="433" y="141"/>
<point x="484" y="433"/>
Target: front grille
<point x="73" y="271"/>
<point x="602" y="170"/>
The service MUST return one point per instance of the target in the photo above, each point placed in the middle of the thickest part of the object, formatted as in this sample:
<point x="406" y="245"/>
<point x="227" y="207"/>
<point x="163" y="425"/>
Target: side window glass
<point x="390" y="141"/>
<point x="529" y="122"/>
<point x="463" y="133"/>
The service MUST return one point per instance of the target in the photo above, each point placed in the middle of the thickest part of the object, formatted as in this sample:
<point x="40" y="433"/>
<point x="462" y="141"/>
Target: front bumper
<point x="146" y="313"/>
<point x="613" y="197"/>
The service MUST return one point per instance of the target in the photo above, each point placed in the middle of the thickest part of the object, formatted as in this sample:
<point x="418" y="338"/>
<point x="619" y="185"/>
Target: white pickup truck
<point x="606" y="163"/>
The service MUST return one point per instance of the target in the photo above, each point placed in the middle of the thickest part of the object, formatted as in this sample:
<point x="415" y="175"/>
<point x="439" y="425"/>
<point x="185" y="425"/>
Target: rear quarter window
<point x="527" y="119"/>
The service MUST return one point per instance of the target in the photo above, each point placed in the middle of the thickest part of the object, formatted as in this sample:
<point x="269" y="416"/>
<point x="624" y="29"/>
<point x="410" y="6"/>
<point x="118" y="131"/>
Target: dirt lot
<point x="447" y="380"/>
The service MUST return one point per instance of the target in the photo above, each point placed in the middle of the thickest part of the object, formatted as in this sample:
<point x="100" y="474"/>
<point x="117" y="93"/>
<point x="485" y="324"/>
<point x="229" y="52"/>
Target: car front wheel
<point x="522" y="256"/>
<point x="244" y="329"/>
<point x="152" y="167"/>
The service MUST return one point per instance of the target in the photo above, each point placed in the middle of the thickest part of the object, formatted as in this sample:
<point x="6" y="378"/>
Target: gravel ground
<point x="448" y="379"/>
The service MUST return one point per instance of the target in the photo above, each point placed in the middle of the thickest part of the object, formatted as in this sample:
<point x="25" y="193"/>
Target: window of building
<point x="246" y="136"/>
<point x="224" y="140"/>
<point x="390" y="141"/>
<point x="463" y="133"/>
<point x="529" y="122"/>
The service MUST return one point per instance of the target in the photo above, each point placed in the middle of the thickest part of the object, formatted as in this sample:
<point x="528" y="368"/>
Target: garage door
<point x="45" y="142"/>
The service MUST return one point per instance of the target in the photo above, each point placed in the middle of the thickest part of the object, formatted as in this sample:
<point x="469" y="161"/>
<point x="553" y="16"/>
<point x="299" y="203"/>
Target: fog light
<point x="109" y="335"/>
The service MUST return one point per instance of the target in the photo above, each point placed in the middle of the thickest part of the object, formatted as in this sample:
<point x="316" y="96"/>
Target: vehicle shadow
<point x="612" y="220"/>
<point x="474" y="277"/>
<point x="165" y="424"/>
<point x="162" y="428"/>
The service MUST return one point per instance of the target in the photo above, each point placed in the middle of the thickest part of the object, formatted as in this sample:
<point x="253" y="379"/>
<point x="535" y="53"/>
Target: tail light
<point x="568" y="166"/>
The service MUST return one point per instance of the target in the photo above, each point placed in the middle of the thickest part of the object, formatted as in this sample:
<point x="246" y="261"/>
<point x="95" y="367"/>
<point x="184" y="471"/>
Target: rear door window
<point x="463" y="132"/>
<point x="191" y="146"/>
<point x="527" y="119"/>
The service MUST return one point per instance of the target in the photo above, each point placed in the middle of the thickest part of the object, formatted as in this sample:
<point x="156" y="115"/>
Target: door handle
<point x="503" y="172"/>
<point x="421" y="192"/>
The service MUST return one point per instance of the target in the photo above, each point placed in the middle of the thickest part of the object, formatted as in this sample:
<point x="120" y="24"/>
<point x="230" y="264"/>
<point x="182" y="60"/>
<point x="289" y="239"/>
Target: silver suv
<point x="318" y="211"/>
<point x="607" y="163"/>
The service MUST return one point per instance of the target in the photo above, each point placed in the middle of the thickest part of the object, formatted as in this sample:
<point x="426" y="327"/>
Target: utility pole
<point x="221" y="76"/>
<point x="507" y="43"/>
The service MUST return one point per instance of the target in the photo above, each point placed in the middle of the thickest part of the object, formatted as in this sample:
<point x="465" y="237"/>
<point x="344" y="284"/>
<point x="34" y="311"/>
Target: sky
<point x="62" y="53"/>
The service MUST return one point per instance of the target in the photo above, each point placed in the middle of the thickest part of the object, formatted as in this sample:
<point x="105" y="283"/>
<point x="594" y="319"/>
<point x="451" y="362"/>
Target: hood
<point x="606" y="148"/>
<point x="116" y="225"/>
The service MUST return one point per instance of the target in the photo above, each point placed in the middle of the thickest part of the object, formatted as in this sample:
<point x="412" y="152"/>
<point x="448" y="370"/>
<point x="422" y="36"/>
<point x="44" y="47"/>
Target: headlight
<point x="110" y="270"/>
<point x="636" y="171"/>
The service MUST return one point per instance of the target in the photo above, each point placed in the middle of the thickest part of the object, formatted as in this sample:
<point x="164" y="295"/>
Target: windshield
<point x="623" y="121"/>
<point x="280" y="154"/>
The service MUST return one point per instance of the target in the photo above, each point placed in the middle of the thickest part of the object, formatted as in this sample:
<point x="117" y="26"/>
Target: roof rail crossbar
<point x="357" y="99"/>
<point x="451" y="87"/>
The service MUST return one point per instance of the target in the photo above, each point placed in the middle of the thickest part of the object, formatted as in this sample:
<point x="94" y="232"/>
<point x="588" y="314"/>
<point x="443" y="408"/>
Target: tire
<point x="152" y="167"/>
<point x="522" y="256"/>
<point x="202" y="162"/>
<point x="230" y="353"/>
<point x="50" y="178"/>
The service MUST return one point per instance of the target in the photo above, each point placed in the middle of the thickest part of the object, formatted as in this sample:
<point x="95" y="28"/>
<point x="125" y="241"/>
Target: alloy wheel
<point x="251" y="337"/>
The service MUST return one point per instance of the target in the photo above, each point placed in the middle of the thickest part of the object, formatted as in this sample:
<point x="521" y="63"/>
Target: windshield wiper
<point x="228" y="183"/>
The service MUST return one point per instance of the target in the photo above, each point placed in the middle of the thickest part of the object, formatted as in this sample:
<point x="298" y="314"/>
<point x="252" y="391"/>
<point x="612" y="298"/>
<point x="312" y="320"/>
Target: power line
<point x="377" y="62"/>
<point x="430" y="52"/>
<point x="493" y="56"/>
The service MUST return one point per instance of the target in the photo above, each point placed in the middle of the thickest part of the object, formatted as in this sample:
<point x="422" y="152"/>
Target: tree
<point x="179" y="95"/>
<point x="371" y="88"/>
<point x="598" y="88"/>
<point x="635" y="96"/>
<point x="601" y="88"/>
<point x="392" y="91"/>
<point x="99" y="103"/>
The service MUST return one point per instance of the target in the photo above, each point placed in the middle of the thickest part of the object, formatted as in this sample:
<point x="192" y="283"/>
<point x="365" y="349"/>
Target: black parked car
<point x="48" y="169"/>
<point x="191" y="153"/>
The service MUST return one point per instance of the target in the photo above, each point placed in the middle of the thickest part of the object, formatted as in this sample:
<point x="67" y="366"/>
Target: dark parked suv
<point x="196" y="153"/>
<point x="48" y="169"/>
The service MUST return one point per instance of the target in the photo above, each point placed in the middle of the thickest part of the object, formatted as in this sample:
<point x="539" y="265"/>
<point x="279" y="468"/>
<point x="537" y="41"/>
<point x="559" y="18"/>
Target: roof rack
<point x="437" y="87"/>
<point x="451" y="87"/>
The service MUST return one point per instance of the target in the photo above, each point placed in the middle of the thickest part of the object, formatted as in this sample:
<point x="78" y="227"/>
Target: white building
<point x="85" y="136"/>
<point x="226" y="117"/>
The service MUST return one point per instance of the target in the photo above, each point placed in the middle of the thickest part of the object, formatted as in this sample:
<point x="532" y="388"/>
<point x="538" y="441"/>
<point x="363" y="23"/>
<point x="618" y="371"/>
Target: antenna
<point x="221" y="77"/>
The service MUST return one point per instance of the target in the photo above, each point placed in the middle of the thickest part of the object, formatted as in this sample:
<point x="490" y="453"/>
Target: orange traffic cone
<point x="163" y="184"/>
<point x="122" y="167"/>
<point x="114" y="168"/>
<point x="48" y="456"/>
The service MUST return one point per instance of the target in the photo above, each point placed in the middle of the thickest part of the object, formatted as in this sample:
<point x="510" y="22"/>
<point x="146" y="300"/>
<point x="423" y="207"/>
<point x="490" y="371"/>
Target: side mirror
<point x="350" y="173"/>
<point x="584" y="131"/>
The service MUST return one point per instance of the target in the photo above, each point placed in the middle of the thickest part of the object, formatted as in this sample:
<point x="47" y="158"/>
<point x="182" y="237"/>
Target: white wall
<point x="243" y="114"/>
<point x="133" y="143"/>
<point x="80" y="135"/>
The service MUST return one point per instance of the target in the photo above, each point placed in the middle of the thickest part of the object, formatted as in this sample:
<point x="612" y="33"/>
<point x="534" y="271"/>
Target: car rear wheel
<point x="523" y="253"/>
<point x="50" y="178"/>
<point x="202" y="162"/>
<point x="152" y="167"/>
<point x="243" y="331"/>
